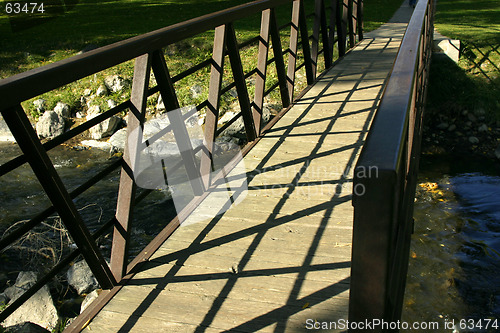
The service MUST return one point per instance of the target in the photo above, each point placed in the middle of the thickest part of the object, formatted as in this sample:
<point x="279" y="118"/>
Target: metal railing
<point x="385" y="180"/>
<point x="337" y="23"/>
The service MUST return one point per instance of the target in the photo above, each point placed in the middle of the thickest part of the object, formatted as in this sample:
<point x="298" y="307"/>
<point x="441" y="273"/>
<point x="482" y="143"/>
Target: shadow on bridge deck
<point x="279" y="258"/>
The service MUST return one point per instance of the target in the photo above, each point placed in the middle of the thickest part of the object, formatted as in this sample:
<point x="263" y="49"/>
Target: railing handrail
<point x="383" y="147"/>
<point x="383" y="200"/>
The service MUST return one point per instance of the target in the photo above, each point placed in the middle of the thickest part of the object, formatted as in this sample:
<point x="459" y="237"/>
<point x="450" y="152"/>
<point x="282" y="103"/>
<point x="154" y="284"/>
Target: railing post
<point x="260" y="81"/>
<point x="53" y="186"/>
<point x="375" y="195"/>
<point x="212" y="113"/>
<point x="127" y="189"/>
<point x="318" y="4"/>
<point x="294" y="40"/>
<point x="351" y="14"/>
<point x="383" y="205"/>
<point x="327" y="46"/>
<point x="179" y="129"/>
<point x="304" y="39"/>
<point x="360" y="18"/>
<point x="268" y="28"/>
<point x="278" y="60"/>
<point x="342" y="25"/>
<point x="239" y="80"/>
<point x="332" y="26"/>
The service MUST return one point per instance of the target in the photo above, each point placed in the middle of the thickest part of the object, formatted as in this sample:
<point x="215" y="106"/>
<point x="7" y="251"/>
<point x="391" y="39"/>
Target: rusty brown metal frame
<point x="147" y="52"/>
<point x="383" y="201"/>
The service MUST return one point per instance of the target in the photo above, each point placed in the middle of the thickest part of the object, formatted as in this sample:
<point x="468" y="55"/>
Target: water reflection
<point x="454" y="268"/>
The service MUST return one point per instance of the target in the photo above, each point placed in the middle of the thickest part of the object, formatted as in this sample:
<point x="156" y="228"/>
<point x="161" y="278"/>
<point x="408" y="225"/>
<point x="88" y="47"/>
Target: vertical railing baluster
<point x="353" y="24"/>
<point x="278" y="60"/>
<point x="360" y="19"/>
<point x="127" y="189"/>
<point x="315" y="38"/>
<point x="306" y="49"/>
<point x="327" y="57"/>
<point x="331" y="26"/>
<point x="37" y="157"/>
<point x="239" y="80"/>
<point x="260" y="81"/>
<point x="293" y="46"/>
<point x="342" y="25"/>
<point x="179" y="129"/>
<point x="212" y="111"/>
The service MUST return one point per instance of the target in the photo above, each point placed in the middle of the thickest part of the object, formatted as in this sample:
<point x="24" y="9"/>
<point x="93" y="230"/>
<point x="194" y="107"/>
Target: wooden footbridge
<point x="309" y="225"/>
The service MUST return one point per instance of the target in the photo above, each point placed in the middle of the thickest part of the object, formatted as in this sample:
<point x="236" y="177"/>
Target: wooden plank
<point x="171" y="307"/>
<point x="207" y="281"/>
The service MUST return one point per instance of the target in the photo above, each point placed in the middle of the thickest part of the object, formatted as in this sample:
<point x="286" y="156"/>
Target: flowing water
<point x="454" y="272"/>
<point x="22" y="198"/>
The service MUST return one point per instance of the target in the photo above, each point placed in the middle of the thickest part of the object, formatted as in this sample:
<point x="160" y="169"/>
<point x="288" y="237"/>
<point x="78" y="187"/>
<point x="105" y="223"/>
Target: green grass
<point x="378" y="12"/>
<point x="30" y="41"/>
<point x="469" y="20"/>
<point x="473" y="83"/>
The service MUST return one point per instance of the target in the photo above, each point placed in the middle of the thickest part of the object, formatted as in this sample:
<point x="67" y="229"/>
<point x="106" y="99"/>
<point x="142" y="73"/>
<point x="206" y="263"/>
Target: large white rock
<point x="62" y="109"/>
<point x="50" y="124"/>
<point x="88" y="300"/>
<point x="26" y="327"/>
<point x="116" y="83"/>
<point x="104" y="128"/>
<point x="81" y="278"/>
<point x="38" y="309"/>
<point x="5" y="134"/>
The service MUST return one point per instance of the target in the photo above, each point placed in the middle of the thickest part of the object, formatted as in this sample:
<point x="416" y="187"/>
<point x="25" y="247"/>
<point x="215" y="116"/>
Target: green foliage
<point x="451" y="89"/>
<point x="469" y="20"/>
<point x="473" y="83"/>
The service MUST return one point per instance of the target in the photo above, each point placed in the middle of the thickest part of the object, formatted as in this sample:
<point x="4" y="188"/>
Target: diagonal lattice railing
<point x="335" y="24"/>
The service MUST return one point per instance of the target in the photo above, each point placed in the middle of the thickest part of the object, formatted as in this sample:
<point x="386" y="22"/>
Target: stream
<point x="454" y="271"/>
<point x="22" y="198"/>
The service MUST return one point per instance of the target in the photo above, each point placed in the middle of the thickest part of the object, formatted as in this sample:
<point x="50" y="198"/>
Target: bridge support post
<point x="127" y="189"/>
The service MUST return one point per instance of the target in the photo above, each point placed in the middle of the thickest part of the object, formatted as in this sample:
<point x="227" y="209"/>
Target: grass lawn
<point x="474" y="83"/>
<point x="32" y="40"/>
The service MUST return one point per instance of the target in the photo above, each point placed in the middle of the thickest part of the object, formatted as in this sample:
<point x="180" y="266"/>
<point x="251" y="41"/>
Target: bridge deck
<point x="282" y="255"/>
